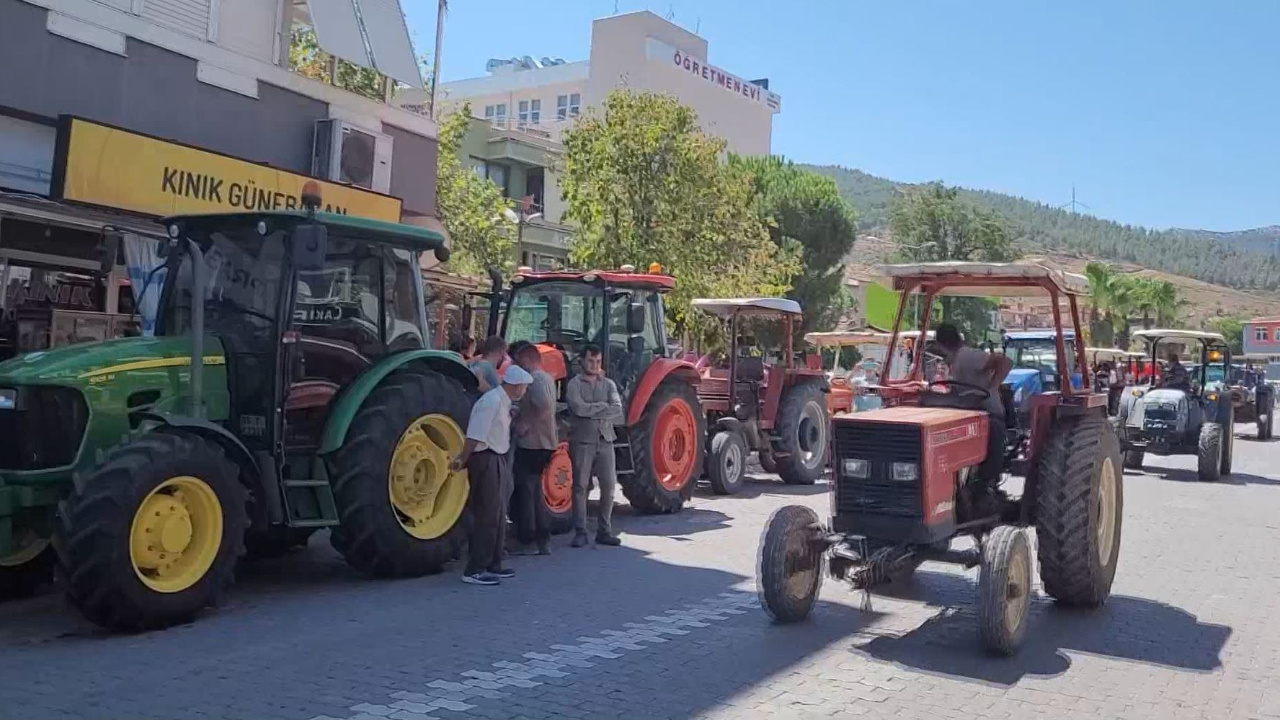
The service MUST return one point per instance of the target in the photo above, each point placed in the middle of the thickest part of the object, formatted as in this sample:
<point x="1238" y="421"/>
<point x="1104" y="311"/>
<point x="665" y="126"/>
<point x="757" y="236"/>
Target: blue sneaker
<point x="481" y="578"/>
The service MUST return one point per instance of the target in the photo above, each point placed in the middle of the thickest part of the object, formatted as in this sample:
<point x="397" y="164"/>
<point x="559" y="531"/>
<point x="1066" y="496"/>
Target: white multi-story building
<point x="528" y="103"/>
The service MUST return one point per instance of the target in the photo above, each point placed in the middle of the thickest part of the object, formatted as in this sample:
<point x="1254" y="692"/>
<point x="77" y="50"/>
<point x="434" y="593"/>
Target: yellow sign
<point x="110" y="167"/>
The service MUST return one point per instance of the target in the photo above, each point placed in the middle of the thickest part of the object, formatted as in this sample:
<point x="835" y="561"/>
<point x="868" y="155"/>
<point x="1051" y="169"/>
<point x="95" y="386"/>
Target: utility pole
<point x="435" y="61"/>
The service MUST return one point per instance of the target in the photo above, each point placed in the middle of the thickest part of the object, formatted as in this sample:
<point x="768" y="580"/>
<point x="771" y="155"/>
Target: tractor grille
<point x="882" y="444"/>
<point x="45" y="429"/>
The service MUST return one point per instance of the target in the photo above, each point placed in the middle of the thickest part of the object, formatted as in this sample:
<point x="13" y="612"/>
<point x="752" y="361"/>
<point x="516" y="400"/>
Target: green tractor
<point x="288" y="387"/>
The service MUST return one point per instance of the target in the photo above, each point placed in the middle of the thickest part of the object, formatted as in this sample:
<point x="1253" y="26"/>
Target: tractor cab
<point x="289" y="387"/>
<point x="759" y="398"/>
<point x="909" y="478"/>
<point x="1186" y="411"/>
<point x="660" y="442"/>
<point x="1034" y="357"/>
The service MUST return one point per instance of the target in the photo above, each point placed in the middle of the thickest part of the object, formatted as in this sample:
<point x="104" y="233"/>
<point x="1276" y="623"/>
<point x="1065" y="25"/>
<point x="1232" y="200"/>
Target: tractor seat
<point x="750" y="369"/>
<point x="310" y="394"/>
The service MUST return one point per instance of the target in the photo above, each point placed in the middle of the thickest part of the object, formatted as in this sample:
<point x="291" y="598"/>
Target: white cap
<point x="516" y="375"/>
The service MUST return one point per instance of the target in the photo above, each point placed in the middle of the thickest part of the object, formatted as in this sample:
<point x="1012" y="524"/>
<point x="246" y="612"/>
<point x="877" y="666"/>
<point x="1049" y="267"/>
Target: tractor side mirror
<point x="635" y="318"/>
<point x="310" y="245"/>
<point x="442" y="253"/>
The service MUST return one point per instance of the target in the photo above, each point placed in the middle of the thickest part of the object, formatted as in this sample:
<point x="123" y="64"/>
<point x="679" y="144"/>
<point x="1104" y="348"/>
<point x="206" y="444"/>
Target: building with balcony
<point x="114" y="113"/>
<point x="527" y="104"/>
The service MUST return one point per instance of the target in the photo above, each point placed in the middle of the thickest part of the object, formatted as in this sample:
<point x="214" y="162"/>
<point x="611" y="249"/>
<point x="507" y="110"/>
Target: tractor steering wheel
<point x="986" y="393"/>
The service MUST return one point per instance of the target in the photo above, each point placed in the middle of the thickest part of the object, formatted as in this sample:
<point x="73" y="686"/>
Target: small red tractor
<point x="777" y="409"/>
<point x="661" y="439"/>
<point x="906" y="483"/>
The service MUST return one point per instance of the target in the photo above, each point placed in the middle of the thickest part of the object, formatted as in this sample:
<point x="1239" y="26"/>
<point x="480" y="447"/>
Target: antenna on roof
<point x="671" y="13"/>
<point x="615" y="7"/>
<point x="1074" y="203"/>
<point x="697" y="26"/>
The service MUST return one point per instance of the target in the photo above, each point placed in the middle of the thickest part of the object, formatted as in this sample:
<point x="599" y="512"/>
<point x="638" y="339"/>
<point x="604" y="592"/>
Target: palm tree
<point x="1164" y="296"/>
<point x="1103" y="283"/>
<point x="1123" y="301"/>
<point x="1144" y="298"/>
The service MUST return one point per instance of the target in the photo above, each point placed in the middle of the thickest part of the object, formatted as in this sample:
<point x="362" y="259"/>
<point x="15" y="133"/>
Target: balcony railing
<point x="543" y="132"/>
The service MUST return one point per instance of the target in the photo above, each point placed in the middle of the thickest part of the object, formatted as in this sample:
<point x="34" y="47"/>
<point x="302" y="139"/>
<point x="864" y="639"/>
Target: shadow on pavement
<point x="1125" y="628"/>
<point x="1190" y="476"/>
<point x="757" y="484"/>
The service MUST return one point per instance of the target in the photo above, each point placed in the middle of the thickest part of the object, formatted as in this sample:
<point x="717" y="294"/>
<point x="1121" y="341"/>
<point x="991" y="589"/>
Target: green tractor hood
<point x="100" y="362"/>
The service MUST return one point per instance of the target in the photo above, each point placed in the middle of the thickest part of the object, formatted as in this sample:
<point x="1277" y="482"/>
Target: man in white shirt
<point x="486" y="457"/>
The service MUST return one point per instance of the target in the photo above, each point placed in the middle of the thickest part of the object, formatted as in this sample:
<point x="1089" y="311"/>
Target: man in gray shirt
<point x="534" y="429"/>
<point x="979" y="371"/>
<point x="594" y="405"/>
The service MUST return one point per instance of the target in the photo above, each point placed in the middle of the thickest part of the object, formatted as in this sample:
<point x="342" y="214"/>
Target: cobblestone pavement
<point x="668" y="626"/>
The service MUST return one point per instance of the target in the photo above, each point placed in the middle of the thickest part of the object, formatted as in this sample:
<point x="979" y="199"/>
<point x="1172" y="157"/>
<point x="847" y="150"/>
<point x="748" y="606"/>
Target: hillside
<point x="1243" y="260"/>
<point x="1203" y="300"/>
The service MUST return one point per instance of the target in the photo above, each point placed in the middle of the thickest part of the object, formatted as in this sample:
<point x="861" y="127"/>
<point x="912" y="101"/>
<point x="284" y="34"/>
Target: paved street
<point x="668" y="626"/>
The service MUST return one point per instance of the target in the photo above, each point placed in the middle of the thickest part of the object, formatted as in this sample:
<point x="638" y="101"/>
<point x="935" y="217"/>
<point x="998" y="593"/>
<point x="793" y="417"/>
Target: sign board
<point x="712" y="75"/>
<point x="106" y="166"/>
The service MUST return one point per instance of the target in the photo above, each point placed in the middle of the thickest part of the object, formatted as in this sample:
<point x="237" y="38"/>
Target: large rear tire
<point x="727" y="462"/>
<point x="557" y="491"/>
<point x="400" y="507"/>
<point x="789" y="564"/>
<point x="1004" y="590"/>
<point x="1079" y="510"/>
<point x="802" y="433"/>
<point x="1209" y="453"/>
<point x="667" y="448"/>
<point x="1228" y="443"/>
<point x="151" y="537"/>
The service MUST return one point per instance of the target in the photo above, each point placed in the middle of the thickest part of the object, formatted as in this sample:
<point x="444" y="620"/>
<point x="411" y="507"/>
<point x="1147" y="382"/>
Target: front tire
<point x="802" y="433"/>
<point x="400" y="507"/>
<point x="1209" y="453"/>
<point x="789" y="564"/>
<point x="1079" y="511"/>
<point x="1004" y="590"/>
<point x="151" y="537"/>
<point x="727" y="462"/>
<point x="27" y="569"/>
<point x="1133" y="459"/>
<point x="666" y="448"/>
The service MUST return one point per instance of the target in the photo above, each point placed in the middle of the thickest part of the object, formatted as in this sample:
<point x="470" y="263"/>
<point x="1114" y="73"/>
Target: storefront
<point x="76" y="264"/>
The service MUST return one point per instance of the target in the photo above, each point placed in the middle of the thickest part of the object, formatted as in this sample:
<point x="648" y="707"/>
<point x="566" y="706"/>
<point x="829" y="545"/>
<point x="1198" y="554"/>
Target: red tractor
<point x="905" y="480"/>
<point x="779" y="409"/>
<point x="660" y="445"/>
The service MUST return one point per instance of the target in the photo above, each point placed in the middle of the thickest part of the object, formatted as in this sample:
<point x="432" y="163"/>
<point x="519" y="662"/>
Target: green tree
<point x="644" y="184"/>
<point x="1232" y="328"/>
<point x="805" y="208"/>
<point x="472" y="208"/>
<point x="931" y="223"/>
<point x="307" y="59"/>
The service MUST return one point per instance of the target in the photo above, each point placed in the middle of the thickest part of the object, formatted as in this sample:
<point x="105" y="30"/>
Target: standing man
<point x="486" y="366"/>
<point x="987" y="371"/>
<point x="594" y="404"/>
<point x="535" y="436"/>
<point x="485" y="455"/>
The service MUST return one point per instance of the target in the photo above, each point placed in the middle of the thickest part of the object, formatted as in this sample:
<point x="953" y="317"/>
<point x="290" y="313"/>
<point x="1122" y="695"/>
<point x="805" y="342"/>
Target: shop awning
<point x="37" y="209"/>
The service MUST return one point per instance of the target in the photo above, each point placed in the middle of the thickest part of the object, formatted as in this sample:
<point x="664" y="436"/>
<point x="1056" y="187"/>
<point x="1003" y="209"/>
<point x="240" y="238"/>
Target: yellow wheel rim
<point x="426" y="497"/>
<point x="176" y="534"/>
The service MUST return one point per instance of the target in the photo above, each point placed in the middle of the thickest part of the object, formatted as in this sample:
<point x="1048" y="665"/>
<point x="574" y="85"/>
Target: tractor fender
<point x="659" y="370"/>
<point x="251" y="475"/>
<point x="349" y="400"/>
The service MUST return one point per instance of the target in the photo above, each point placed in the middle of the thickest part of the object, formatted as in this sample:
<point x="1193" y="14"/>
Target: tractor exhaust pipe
<point x="198" y="279"/>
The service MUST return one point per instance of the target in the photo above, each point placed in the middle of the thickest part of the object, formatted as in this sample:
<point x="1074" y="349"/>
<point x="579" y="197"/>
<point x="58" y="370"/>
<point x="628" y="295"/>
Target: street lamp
<point x="522" y="218"/>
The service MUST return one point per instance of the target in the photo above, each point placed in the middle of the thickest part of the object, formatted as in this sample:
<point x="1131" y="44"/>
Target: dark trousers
<point x="490" y="475"/>
<point x="990" y="469"/>
<point x="528" y="511"/>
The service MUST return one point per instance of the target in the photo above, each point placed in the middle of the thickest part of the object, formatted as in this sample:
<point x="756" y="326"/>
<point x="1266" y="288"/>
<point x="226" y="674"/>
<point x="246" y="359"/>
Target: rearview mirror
<point x="635" y="318"/>
<point x="310" y="244"/>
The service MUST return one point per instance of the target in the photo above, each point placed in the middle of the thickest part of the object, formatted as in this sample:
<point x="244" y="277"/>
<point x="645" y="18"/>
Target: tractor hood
<point x="93" y="362"/>
<point x="1025" y="383"/>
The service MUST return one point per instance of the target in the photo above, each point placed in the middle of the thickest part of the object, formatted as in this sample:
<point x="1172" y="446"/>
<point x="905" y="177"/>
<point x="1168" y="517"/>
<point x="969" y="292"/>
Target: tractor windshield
<point x="243" y="285"/>
<point x="567" y="315"/>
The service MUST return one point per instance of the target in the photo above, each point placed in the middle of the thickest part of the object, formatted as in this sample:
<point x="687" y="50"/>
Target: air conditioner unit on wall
<point x="350" y="154"/>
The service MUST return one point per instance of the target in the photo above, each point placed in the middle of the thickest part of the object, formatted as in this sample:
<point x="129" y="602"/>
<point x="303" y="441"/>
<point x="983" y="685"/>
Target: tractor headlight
<point x="856" y="468"/>
<point x="1212" y="397"/>
<point x="905" y="472"/>
<point x="8" y="399"/>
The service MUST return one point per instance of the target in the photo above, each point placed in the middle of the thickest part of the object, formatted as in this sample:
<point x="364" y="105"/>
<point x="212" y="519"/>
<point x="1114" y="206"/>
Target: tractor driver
<point x="986" y="370"/>
<point x="1175" y="375"/>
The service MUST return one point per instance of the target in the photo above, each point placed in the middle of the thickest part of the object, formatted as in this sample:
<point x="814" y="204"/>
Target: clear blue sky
<point x="1164" y="114"/>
